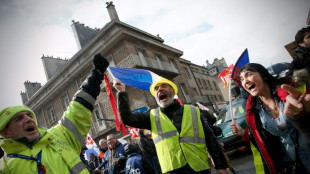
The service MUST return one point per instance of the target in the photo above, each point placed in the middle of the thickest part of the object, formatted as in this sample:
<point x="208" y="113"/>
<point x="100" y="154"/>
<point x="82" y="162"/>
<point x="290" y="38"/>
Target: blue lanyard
<point x="41" y="168"/>
<point x="132" y="154"/>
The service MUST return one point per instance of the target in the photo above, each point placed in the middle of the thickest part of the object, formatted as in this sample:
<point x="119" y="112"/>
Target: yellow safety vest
<point x="175" y="149"/>
<point x="258" y="162"/>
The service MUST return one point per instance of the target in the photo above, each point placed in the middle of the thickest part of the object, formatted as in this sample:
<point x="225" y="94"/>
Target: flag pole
<point x="230" y="105"/>
<point x="108" y="69"/>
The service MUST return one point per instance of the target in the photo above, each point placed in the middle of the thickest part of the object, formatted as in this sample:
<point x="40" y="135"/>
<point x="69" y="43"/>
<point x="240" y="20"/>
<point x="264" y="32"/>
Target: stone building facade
<point x="124" y="46"/>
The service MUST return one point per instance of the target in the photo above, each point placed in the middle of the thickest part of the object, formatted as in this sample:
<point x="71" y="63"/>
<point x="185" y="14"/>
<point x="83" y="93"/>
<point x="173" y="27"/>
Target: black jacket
<point x="94" y="163"/>
<point x="301" y="59"/>
<point x="175" y="113"/>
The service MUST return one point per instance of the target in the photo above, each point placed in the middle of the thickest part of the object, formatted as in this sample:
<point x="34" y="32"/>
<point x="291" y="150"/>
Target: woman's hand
<point x="237" y="129"/>
<point x="293" y="108"/>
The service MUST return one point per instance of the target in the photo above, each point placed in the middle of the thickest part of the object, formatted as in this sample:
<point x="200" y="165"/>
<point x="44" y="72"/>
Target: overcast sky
<point x="202" y="29"/>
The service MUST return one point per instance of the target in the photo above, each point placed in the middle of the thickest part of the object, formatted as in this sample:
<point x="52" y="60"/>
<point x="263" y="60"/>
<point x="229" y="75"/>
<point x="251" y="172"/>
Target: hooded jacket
<point x="60" y="146"/>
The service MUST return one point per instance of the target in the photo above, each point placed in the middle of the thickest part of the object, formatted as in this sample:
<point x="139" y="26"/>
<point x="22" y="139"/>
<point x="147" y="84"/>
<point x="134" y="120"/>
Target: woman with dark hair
<point x="270" y="131"/>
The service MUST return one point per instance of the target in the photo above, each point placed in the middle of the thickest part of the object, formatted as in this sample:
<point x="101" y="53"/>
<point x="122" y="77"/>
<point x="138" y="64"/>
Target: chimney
<point x="31" y="88"/>
<point x="112" y="11"/>
<point x="24" y="97"/>
<point x="207" y="62"/>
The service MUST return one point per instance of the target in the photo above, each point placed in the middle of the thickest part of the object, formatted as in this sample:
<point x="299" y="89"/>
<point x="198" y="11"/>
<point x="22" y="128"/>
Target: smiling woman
<point x="272" y="133"/>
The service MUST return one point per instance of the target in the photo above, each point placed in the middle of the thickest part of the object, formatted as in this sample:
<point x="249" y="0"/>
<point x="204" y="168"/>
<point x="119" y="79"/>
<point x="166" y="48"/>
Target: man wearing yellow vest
<point x="30" y="149"/>
<point x="179" y="132"/>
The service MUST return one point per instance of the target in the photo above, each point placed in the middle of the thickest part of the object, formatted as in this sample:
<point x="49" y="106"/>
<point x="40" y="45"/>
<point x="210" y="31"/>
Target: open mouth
<point x="251" y="87"/>
<point x="162" y="97"/>
<point x="30" y="128"/>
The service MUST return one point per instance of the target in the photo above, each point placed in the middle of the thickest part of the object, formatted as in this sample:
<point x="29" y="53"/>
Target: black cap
<point x="131" y="148"/>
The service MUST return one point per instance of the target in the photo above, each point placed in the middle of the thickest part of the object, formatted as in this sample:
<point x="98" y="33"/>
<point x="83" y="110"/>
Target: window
<point x="173" y="64"/>
<point x="205" y="83"/>
<point x="142" y="53"/>
<point x="99" y="118"/>
<point x="184" y="88"/>
<point x="215" y="86"/>
<point x="214" y="98"/>
<point x="220" y="97"/>
<point x="199" y="83"/>
<point x="65" y="102"/>
<point x="187" y="72"/>
<point x="206" y="98"/>
<point x="159" y="60"/>
<point x="209" y="98"/>
<point x="51" y="115"/>
<point x="159" y="57"/>
<point x="195" y="92"/>
<point x="209" y="84"/>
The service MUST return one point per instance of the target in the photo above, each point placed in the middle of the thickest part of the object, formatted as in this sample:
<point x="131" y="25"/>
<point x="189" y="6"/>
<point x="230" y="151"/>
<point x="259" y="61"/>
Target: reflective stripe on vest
<point x="176" y="149"/>
<point x="78" y="168"/>
<point x="162" y="135"/>
<point x="90" y="99"/>
<point x="71" y="127"/>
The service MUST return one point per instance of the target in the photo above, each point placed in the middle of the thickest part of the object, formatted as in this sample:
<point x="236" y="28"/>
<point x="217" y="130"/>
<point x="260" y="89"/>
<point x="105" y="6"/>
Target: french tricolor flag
<point x="138" y="78"/>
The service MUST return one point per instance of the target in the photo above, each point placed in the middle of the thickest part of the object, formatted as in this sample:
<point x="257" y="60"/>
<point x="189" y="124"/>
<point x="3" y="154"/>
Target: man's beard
<point x="167" y="103"/>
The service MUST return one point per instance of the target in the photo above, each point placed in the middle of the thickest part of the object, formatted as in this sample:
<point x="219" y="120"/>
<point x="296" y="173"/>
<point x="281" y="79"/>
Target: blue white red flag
<point x="138" y="78"/>
<point x="243" y="60"/>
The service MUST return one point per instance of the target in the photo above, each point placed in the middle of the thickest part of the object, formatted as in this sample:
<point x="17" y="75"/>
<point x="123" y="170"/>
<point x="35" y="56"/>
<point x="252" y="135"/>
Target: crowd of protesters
<point x="182" y="136"/>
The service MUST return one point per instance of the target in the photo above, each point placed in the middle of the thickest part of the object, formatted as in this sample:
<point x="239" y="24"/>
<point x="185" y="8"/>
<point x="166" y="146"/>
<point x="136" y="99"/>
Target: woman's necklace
<point x="273" y="110"/>
<point x="275" y="107"/>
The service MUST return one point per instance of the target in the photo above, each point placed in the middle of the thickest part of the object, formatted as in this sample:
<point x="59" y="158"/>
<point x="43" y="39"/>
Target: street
<point x="241" y="160"/>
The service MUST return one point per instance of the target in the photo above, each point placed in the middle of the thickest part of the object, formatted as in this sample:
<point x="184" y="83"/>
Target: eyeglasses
<point x="110" y="139"/>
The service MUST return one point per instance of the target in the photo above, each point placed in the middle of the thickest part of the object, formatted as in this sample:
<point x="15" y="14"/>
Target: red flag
<point x="181" y="103"/>
<point x="134" y="132"/>
<point x="225" y="75"/>
<point x="90" y="141"/>
<point x="92" y="147"/>
<point x="113" y="104"/>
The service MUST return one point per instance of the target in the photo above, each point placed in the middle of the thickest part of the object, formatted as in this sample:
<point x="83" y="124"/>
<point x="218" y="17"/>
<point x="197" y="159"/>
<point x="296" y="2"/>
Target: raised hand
<point x="118" y="85"/>
<point x="100" y="63"/>
<point x="293" y="108"/>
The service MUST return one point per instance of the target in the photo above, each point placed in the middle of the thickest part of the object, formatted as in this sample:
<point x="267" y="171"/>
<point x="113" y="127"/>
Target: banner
<point x="225" y="75"/>
<point x="92" y="147"/>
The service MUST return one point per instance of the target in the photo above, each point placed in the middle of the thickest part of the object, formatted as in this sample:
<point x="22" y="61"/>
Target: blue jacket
<point x="134" y="165"/>
<point x="119" y="153"/>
